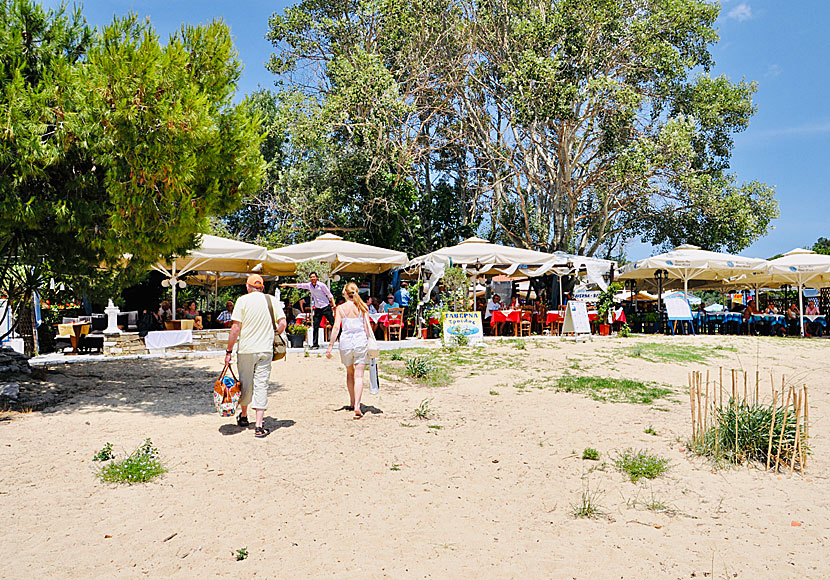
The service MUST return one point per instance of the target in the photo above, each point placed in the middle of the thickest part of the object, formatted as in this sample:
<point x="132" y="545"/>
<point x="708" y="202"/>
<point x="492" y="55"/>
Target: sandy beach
<point x="484" y="488"/>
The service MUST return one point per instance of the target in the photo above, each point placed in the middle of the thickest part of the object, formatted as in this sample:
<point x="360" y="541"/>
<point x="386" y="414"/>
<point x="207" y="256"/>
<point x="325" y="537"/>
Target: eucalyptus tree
<point x="560" y="124"/>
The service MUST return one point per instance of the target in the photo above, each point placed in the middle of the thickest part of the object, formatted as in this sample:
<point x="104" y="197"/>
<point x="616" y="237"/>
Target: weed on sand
<point x="613" y="390"/>
<point x="641" y="464"/>
<point x="142" y="465"/>
<point x="588" y="505"/>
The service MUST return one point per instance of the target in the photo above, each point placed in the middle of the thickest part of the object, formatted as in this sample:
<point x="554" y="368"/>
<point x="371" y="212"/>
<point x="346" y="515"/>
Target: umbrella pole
<point x="174" y="289"/>
<point x="801" y="307"/>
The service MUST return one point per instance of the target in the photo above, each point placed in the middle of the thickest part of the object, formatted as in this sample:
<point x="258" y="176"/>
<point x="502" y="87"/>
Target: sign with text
<point x="677" y="309"/>
<point x="467" y="324"/>
<point x="576" y="318"/>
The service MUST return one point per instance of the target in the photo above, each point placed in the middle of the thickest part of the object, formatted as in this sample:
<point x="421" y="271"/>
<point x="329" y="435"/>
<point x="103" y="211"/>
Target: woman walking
<point x="351" y="324"/>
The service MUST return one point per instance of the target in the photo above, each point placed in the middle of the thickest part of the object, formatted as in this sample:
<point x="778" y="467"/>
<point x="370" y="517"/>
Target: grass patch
<point x="666" y="352"/>
<point x="142" y="465"/>
<point x="436" y="427"/>
<point x="590" y="453"/>
<point x="407" y="425"/>
<point x="395" y="467"/>
<point x="396" y="356"/>
<point x="449" y="362"/>
<point x="588" y="505"/>
<point x="650" y="431"/>
<point x="752" y="442"/>
<point x="241" y="554"/>
<point x="612" y="390"/>
<point x="641" y="464"/>
<point x="494" y="392"/>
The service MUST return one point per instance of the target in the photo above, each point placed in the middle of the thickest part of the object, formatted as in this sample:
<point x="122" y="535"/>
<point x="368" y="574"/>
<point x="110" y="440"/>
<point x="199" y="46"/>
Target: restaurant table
<point x="499" y="317"/>
<point x="74" y="330"/>
<point x="161" y="339"/>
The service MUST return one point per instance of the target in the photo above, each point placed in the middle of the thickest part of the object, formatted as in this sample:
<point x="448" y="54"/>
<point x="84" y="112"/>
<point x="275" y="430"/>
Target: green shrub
<point x="419" y="367"/>
<point x="641" y="464"/>
<point x="396" y="356"/>
<point x="625" y="330"/>
<point x="142" y="465"/>
<point x="588" y="505"/>
<point x="752" y="442"/>
<point x="297" y="329"/>
<point x="590" y="453"/>
<point x="105" y="454"/>
<point x="461" y="340"/>
<point x="425" y="410"/>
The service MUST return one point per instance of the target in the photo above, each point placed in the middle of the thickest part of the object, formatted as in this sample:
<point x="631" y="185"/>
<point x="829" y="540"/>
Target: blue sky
<point x="781" y="45"/>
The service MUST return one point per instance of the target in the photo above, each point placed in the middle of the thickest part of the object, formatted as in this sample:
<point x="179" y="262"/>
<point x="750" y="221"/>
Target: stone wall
<point x="129" y="343"/>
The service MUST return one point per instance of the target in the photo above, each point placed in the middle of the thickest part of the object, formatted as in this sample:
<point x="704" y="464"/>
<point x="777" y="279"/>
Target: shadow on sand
<point x="269" y="423"/>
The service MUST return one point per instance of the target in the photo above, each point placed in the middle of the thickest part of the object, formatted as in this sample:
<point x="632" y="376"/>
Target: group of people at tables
<point x="770" y="320"/>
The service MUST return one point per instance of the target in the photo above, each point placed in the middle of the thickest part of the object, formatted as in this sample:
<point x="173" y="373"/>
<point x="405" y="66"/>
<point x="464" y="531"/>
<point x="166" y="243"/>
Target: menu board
<point x="678" y="309"/>
<point x="576" y="318"/>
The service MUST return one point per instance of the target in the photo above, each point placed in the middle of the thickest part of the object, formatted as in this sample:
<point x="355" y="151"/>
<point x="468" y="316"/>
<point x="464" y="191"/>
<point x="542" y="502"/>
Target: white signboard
<point x="678" y="309"/>
<point x="576" y="318"/>
<point x="587" y="295"/>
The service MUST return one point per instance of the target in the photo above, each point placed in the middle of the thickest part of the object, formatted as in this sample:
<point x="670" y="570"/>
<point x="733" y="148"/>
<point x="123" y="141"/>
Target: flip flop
<point x="261" y="432"/>
<point x="357" y="416"/>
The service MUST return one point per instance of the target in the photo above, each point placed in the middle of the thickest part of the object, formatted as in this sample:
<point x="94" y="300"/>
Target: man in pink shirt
<point x="321" y="301"/>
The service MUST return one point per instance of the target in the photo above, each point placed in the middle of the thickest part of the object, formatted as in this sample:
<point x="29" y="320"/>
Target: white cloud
<point x="741" y="12"/>
<point x="773" y="71"/>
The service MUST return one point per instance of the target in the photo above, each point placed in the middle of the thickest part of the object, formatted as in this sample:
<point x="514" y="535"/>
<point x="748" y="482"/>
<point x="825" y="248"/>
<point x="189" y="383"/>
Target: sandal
<point x="242" y="421"/>
<point x="261" y="432"/>
<point x="357" y="416"/>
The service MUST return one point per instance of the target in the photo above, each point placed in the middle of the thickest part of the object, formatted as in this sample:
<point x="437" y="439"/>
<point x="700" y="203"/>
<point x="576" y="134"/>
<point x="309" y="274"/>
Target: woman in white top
<point x="351" y="324"/>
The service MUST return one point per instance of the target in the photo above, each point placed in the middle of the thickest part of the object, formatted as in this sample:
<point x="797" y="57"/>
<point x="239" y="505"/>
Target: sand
<point x="487" y="494"/>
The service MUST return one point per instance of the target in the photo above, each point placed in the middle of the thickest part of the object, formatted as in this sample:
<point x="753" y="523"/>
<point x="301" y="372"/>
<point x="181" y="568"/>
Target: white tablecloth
<point x="157" y="339"/>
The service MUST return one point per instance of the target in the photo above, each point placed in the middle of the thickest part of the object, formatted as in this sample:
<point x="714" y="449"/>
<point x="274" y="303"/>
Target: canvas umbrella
<point x="215" y="254"/>
<point x="691" y="266"/>
<point x="342" y="255"/>
<point x="797" y="267"/>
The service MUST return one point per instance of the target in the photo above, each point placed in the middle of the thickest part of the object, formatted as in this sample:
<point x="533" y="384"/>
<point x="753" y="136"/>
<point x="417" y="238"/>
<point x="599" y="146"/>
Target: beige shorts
<point x="354" y="356"/>
<point x="254" y="372"/>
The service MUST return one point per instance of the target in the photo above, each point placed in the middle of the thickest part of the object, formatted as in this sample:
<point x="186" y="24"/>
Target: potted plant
<point x="604" y="305"/>
<point x="635" y="322"/>
<point x="296" y="335"/>
<point x="650" y="322"/>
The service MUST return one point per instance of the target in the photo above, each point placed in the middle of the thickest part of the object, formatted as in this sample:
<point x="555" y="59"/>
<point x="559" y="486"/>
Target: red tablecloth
<point x="505" y="316"/>
<point x="380" y="318"/>
<point x="554" y="316"/>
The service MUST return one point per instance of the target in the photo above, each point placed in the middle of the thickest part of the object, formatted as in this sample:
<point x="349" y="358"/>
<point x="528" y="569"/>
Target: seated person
<point x="370" y="304"/>
<point x="812" y="309"/>
<point x="792" y="312"/>
<point x="190" y="313"/>
<point x="390" y="303"/>
<point x="749" y="311"/>
<point x="771" y="309"/>
<point x="165" y="313"/>
<point x="812" y="328"/>
<point x="224" y="317"/>
<point x="493" y="305"/>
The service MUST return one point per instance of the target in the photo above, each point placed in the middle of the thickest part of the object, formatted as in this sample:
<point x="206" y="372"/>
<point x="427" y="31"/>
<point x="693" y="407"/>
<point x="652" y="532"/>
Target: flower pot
<point x="424" y="332"/>
<point x="604" y="329"/>
<point x="296" y="340"/>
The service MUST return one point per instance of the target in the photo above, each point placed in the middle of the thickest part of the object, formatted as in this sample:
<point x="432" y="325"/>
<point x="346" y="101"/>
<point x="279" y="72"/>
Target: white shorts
<point x="254" y="372"/>
<point x="354" y="356"/>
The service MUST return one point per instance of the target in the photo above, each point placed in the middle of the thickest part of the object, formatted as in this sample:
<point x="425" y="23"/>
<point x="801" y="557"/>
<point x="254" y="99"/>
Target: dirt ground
<point x="484" y="488"/>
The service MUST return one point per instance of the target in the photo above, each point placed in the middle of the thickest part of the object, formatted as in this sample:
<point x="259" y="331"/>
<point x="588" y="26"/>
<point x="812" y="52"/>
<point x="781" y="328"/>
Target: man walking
<point x="252" y="324"/>
<point x="321" y="301"/>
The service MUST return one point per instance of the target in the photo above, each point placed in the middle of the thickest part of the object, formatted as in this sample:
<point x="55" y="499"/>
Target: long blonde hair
<point x="351" y="292"/>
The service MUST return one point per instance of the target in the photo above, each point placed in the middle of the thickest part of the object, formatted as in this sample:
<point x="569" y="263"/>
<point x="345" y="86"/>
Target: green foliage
<point x="241" y="554"/>
<point x="641" y="464"/>
<point x="424" y="410"/>
<point x="612" y="390"/>
<point x="606" y="300"/>
<point x="493" y="392"/>
<point x="142" y="465"/>
<point x="752" y="442"/>
<point x="650" y="431"/>
<point x="590" y="453"/>
<point x="419" y="367"/>
<point x="822" y="246"/>
<point x="105" y="454"/>
<point x="625" y="330"/>
<point x="395" y="100"/>
<point x="115" y="143"/>
<point x="297" y="329"/>
<point x="457" y="285"/>
<point x="461" y="340"/>
<point x="396" y="356"/>
<point x="323" y="270"/>
<point x="665" y="352"/>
